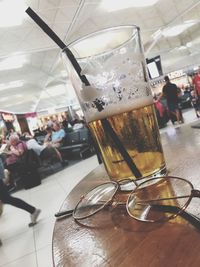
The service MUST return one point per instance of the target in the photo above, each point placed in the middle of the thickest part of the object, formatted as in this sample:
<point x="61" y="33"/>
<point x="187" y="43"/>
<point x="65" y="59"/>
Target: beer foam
<point x="114" y="109"/>
<point x="89" y="93"/>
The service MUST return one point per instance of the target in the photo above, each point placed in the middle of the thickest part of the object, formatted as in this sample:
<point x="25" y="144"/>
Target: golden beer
<point x="138" y="131"/>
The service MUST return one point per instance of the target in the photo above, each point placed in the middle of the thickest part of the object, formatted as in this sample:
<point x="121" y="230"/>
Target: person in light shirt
<point x="13" y="156"/>
<point x="44" y="151"/>
<point x="57" y="135"/>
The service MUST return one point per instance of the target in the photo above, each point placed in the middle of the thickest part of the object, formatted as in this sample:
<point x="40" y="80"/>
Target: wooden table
<point x="114" y="239"/>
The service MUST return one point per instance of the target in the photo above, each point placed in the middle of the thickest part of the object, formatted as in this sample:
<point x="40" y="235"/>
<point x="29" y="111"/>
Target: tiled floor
<point x="31" y="247"/>
<point x="189" y="117"/>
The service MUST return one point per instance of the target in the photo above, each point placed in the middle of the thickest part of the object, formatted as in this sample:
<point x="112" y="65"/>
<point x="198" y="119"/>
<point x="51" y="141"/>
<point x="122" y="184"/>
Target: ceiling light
<point x="18" y="96"/>
<point x="189" y="44"/>
<point x="19" y="103"/>
<point x="12" y="13"/>
<point x="3" y="99"/>
<point x="176" y="30"/>
<point x="14" y="84"/>
<point x="114" y="5"/>
<point x="194" y="53"/>
<point x="63" y="73"/>
<point x="156" y="35"/>
<point x="123" y="50"/>
<point x="182" y="47"/>
<point x="14" y="62"/>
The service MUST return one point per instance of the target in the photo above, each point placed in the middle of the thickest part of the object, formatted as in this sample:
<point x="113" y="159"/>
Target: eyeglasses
<point x="154" y="200"/>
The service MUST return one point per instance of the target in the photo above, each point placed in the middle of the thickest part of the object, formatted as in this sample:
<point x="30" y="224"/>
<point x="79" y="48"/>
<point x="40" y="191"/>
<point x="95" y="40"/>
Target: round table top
<point x="115" y="239"/>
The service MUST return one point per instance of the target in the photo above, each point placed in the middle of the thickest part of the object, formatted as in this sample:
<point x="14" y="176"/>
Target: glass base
<point x="130" y="186"/>
<point x="162" y="172"/>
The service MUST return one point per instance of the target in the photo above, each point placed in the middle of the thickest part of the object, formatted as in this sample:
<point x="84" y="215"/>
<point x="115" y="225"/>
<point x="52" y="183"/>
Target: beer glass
<point x="118" y="90"/>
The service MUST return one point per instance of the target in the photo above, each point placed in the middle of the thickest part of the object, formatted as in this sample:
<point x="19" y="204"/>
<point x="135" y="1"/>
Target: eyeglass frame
<point x="194" y="193"/>
<point x="194" y="220"/>
<point x="71" y="212"/>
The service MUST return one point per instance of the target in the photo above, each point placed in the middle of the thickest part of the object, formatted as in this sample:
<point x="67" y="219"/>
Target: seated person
<point x="55" y="139"/>
<point x="48" y="136"/>
<point x="43" y="151"/>
<point x="14" y="154"/>
<point x="57" y="135"/>
<point x="16" y="149"/>
<point x="31" y="143"/>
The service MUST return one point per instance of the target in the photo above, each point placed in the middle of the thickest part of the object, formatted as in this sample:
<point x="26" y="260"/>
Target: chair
<point x="27" y="174"/>
<point x="78" y="140"/>
<point x="84" y="135"/>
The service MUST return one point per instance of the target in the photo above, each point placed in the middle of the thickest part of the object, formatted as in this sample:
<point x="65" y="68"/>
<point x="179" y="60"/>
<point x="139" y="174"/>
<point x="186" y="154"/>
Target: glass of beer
<point x="118" y="90"/>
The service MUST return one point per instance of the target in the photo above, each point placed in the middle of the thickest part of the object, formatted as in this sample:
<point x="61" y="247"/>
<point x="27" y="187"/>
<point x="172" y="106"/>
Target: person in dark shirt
<point x="170" y="92"/>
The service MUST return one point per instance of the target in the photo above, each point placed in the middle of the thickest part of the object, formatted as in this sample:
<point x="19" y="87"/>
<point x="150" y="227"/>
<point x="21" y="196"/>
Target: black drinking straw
<point x="105" y="122"/>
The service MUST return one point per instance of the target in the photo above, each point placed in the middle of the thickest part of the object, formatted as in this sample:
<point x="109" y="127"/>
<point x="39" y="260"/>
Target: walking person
<point x="170" y="92"/>
<point x="6" y="198"/>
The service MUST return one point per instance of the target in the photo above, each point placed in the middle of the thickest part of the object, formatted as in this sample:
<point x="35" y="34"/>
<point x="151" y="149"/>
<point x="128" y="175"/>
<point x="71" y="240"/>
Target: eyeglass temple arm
<point x="194" y="220"/>
<point x="70" y="212"/>
<point x="64" y="213"/>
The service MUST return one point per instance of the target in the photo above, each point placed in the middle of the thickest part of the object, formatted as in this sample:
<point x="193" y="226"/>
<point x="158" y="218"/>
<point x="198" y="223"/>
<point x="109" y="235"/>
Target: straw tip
<point x="28" y="9"/>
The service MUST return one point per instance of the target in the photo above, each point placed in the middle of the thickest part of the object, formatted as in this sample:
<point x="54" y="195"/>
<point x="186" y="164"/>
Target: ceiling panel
<point x="42" y="68"/>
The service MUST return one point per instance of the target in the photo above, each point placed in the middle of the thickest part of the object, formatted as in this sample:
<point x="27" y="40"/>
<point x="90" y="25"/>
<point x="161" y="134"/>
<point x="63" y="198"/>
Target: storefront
<point x="8" y="121"/>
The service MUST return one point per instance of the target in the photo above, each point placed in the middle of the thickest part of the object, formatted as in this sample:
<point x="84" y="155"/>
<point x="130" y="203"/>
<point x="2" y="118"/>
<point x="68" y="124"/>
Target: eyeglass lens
<point x="159" y="199"/>
<point x="95" y="200"/>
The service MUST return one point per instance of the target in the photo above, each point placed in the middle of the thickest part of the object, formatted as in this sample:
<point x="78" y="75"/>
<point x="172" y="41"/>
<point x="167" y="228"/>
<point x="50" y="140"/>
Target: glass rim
<point x="124" y="182"/>
<point x="161" y="178"/>
<point x="99" y="209"/>
<point x="102" y="31"/>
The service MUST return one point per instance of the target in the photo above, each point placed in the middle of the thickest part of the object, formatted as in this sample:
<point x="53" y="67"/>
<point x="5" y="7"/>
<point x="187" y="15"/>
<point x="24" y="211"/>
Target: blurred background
<point x="32" y="76"/>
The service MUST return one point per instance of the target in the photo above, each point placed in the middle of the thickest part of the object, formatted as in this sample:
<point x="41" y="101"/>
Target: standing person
<point x="66" y="125"/>
<point x="10" y="132"/>
<point x="171" y="91"/>
<point x="64" y="122"/>
<point x="196" y="83"/>
<point x="6" y="198"/>
<point x="195" y="103"/>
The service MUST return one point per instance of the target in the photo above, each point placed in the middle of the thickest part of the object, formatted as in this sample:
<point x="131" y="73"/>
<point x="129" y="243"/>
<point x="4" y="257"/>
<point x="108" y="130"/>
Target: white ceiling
<point x="40" y="83"/>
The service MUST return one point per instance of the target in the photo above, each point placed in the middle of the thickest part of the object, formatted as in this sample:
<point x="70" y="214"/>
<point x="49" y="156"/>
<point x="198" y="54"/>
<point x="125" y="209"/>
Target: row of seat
<point x="78" y="140"/>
